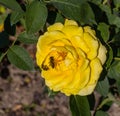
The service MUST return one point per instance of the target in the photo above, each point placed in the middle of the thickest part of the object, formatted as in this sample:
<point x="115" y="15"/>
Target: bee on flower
<point x="71" y="58"/>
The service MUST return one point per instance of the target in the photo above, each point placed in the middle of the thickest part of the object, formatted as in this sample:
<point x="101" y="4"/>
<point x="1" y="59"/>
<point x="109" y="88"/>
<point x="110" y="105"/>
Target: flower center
<point x="53" y="60"/>
<point x="62" y="59"/>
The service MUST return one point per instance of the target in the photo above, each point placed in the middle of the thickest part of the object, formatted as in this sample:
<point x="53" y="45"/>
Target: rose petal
<point x="87" y="90"/>
<point x="57" y="80"/>
<point x="56" y="26"/>
<point x="96" y="69"/>
<point x="102" y="53"/>
<point x="92" y="44"/>
<point x="75" y="86"/>
<point x="78" y="41"/>
<point x="90" y="31"/>
<point x="70" y="22"/>
<point x="43" y="45"/>
<point x="72" y="30"/>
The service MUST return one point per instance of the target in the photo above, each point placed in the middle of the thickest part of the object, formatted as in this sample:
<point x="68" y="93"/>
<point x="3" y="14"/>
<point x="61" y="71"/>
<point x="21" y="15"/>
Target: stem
<point x="104" y="2"/>
<point x="110" y="41"/>
<point x="110" y="98"/>
<point x="27" y="1"/>
<point x="47" y="1"/>
<point x="117" y="58"/>
<point x="103" y="103"/>
<point x="4" y="54"/>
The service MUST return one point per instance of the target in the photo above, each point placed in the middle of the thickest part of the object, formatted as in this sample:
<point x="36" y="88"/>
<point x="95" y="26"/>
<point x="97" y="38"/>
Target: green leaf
<point x="4" y="39"/>
<point x="116" y="39"/>
<point x="20" y="58"/>
<point x="27" y="38"/>
<point x="113" y="99"/>
<point x="36" y="16"/>
<point x="101" y="113"/>
<point x="15" y="17"/>
<point x="91" y="100"/>
<point x="113" y="19"/>
<point x="110" y="57"/>
<point x="59" y="18"/>
<point x="106" y="101"/>
<point x="104" y="30"/>
<point x="117" y="3"/>
<point x="51" y="17"/>
<point x="10" y="29"/>
<point x="105" y="8"/>
<point x="75" y="9"/>
<point x="103" y="87"/>
<point x="114" y="70"/>
<point x="118" y="52"/>
<point x="12" y="4"/>
<point x="79" y="106"/>
<point x="51" y="93"/>
<point x="96" y="1"/>
<point x="1" y="56"/>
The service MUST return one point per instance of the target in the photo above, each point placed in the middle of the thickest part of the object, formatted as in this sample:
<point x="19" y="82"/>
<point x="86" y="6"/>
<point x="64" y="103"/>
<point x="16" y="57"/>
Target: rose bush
<point x="71" y="58"/>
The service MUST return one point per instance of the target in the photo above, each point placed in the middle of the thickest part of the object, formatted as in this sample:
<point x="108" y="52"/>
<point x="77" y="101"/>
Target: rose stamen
<point x="56" y="61"/>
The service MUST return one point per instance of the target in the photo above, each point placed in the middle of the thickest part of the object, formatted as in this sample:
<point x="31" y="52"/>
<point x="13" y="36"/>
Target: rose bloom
<point x="71" y="58"/>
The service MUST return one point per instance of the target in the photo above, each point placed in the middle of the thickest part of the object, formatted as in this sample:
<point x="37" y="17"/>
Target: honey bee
<point x="52" y="62"/>
<point x="45" y="67"/>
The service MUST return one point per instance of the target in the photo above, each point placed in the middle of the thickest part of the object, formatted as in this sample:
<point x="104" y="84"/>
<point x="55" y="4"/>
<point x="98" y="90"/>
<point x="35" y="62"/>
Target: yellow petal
<point x="57" y="81"/>
<point x="96" y="69"/>
<point x="44" y="44"/>
<point x="72" y="50"/>
<point x="83" y="78"/>
<point x="56" y="26"/>
<point x="72" y="30"/>
<point x="49" y="38"/>
<point x="70" y="22"/>
<point x="102" y="53"/>
<point x="78" y="42"/>
<point x="92" y="44"/>
<point x="87" y="90"/>
<point x="90" y="31"/>
<point x="78" y="82"/>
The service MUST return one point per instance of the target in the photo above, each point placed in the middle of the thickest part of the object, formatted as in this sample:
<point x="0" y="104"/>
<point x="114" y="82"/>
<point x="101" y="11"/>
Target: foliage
<point x="36" y="15"/>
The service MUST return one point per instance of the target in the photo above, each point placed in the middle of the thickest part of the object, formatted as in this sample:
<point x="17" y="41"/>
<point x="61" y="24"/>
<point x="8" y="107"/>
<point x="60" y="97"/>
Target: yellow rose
<point x="71" y="58"/>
